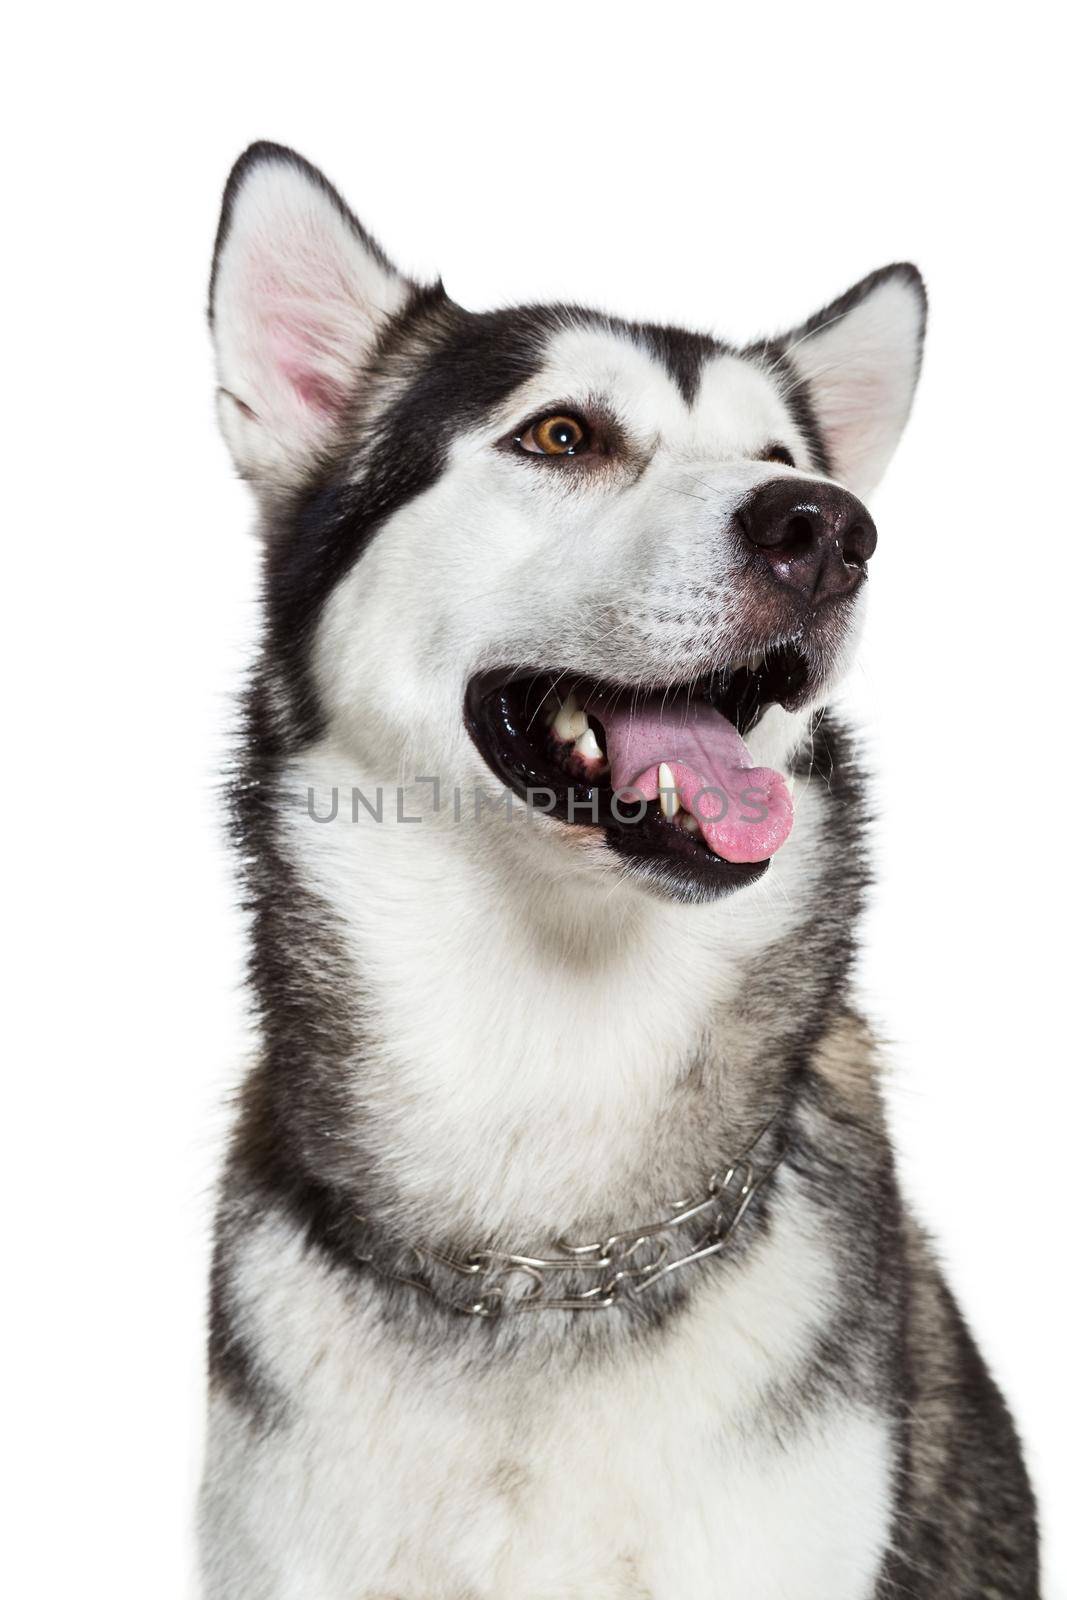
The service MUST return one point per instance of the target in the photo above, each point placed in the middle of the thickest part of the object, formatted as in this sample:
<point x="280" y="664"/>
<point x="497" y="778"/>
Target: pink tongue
<point x="745" y="812"/>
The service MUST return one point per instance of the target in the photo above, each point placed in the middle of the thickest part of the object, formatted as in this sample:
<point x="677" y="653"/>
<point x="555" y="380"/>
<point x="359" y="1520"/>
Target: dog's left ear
<point x="859" y="361"/>
<point x="300" y="295"/>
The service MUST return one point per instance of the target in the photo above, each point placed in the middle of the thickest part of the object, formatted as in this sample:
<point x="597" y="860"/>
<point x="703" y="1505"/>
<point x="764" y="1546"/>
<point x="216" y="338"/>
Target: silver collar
<point x="611" y="1271"/>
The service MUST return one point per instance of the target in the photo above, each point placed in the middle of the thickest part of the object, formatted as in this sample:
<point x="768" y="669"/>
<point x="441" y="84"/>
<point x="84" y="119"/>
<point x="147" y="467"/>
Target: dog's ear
<point x="299" y="297"/>
<point x="859" y="361"/>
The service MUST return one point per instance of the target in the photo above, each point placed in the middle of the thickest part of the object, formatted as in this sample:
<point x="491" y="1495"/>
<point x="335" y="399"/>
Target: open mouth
<point x="664" y="771"/>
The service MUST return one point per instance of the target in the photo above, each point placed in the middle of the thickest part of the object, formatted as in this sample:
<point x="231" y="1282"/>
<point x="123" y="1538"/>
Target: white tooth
<point x="561" y="721"/>
<point x="570" y="721"/>
<point x="690" y="823"/>
<point x="790" y="782"/>
<point x="668" y="794"/>
<point x="588" y="747"/>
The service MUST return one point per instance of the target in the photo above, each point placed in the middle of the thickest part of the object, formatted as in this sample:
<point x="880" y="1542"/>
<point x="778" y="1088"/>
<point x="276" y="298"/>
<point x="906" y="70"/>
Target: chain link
<point x="622" y="1266"/>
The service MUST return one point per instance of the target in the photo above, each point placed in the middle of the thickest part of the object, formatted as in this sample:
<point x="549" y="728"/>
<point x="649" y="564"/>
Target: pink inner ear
<point x="304" y="331"/>
<point x="853" y="415"/>
<point x="302" y="355"/>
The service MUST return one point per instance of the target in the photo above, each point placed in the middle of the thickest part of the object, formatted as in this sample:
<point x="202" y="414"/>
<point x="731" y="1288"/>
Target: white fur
<point x="520" y="564"/>
<point x="651" y="1476"/>
<point x="466" y="1080"/>
<point x="482" y="951"/>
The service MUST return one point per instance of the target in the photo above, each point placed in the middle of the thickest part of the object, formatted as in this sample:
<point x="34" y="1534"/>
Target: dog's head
<point x="613" y="566"/>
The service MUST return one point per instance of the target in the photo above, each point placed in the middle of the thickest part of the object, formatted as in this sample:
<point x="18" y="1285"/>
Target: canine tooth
<point x="587" y="746"/>
<point x="570" y="721"/>
<point x="689" y="822"/>
<point x="561" y="720"/>
<point x="790" y="782"/>
<point x="668" y="794"/>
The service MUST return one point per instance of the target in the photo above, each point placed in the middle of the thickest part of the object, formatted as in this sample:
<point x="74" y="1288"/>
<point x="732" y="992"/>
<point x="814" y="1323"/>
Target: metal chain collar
<point x="496" y="1283"/>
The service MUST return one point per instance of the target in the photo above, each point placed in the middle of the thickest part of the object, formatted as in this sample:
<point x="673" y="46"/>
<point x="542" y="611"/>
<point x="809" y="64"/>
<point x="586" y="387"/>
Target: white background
<point x="732" y="169"/>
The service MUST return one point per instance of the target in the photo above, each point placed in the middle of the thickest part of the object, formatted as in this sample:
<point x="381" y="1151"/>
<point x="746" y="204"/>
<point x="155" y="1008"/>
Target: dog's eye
<point x="778" y="452"/>
<point x="554" y="435"/>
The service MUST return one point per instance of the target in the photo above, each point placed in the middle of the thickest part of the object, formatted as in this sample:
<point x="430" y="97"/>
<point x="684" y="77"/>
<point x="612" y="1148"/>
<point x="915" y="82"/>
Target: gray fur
<point x="327" y="1379"/>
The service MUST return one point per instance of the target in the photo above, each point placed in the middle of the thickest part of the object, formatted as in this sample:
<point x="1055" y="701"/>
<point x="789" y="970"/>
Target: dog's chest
<point x="692" y="1462"/>
<point x="639" y="1495"/>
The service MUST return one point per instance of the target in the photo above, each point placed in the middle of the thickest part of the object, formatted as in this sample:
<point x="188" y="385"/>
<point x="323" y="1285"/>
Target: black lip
<point x="505" y="717"/>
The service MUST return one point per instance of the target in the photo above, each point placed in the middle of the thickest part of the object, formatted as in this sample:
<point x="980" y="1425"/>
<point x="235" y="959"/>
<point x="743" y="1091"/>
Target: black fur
<point x="297" y="1146"/>
<point x="964" y="1522"/>
<point x="970" y="1533"/>
<point x="457" y="367"/>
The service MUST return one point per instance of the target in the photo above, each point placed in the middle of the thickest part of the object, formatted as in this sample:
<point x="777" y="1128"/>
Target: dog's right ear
<point x="299" y="297"/>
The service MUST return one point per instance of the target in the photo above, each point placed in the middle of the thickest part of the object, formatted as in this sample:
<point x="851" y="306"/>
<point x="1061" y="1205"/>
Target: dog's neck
<point x="474" y="1049"/>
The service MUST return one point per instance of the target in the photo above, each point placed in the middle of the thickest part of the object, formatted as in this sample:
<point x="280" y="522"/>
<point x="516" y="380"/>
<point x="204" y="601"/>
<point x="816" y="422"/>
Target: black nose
<point x="814" y="537"/>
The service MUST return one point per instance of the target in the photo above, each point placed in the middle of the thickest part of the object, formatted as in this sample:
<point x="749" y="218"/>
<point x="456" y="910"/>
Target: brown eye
<point x="554" y="436"/>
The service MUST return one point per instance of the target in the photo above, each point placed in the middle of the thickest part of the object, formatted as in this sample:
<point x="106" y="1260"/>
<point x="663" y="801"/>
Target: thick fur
<point x="483" y="1030"/>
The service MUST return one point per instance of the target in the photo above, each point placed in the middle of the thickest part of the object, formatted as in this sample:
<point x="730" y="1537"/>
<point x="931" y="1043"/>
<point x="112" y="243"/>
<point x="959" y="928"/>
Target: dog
<point x="560" y="1250"/>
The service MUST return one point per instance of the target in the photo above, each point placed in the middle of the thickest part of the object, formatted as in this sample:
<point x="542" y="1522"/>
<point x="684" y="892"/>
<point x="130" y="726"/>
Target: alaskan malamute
<point x="560" y="1250"/>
